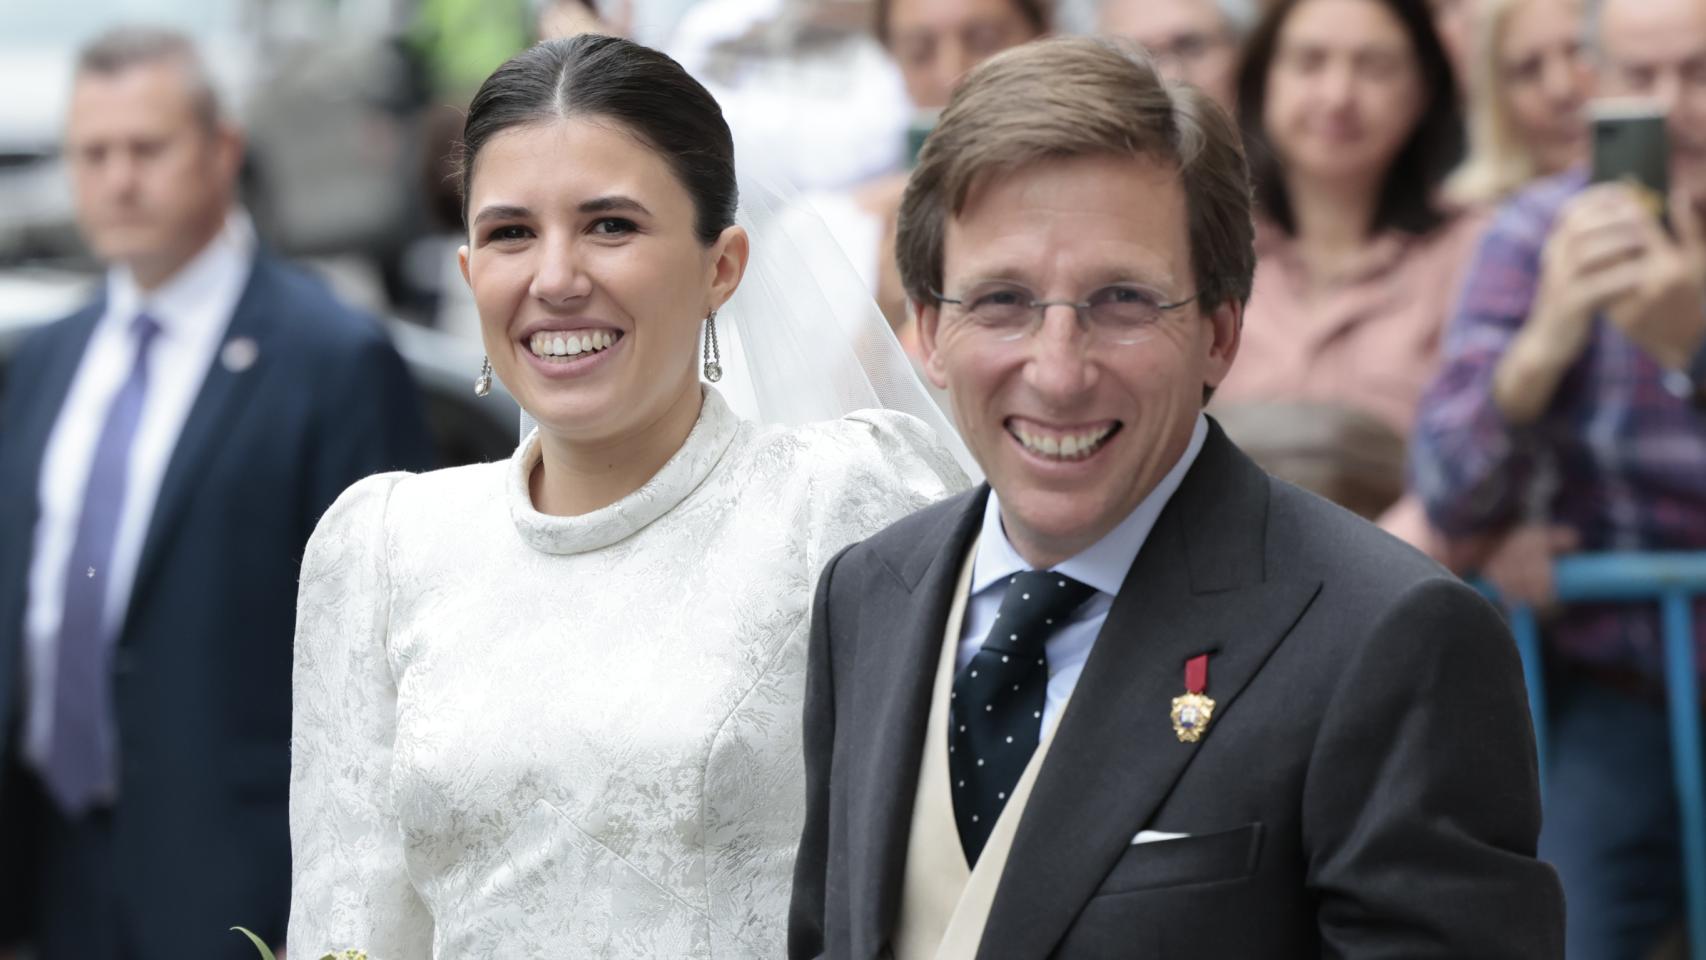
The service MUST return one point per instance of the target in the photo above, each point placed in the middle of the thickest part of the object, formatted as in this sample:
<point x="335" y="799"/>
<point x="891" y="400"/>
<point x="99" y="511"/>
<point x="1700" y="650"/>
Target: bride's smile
<point x="574" y="352"/>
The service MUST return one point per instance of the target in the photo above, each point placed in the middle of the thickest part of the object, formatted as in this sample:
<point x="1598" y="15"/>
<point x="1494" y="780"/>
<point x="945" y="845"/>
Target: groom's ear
<point x="928" y="319"/>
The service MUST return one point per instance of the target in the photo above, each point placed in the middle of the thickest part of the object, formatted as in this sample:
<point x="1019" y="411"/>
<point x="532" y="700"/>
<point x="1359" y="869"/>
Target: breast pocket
<point x="1206" y="858"/>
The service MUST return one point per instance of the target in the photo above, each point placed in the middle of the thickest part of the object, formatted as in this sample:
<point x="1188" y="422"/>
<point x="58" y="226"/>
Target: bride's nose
<point x="561" y="275"/>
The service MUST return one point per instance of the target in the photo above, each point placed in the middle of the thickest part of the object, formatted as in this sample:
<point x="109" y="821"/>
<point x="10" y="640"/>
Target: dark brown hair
<point x="1077" y="96"/>
<point x="1407" y="195"/>
<point x="646" y="92"/>
<point x="1036" y="12"/>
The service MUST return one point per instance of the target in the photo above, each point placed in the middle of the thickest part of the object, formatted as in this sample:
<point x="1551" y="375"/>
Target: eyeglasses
<point x="1120" y="313"/>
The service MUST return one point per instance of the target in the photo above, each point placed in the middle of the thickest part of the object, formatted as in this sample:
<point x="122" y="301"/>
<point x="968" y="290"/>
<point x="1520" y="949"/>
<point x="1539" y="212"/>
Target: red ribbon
<point x="1196" y="674"/>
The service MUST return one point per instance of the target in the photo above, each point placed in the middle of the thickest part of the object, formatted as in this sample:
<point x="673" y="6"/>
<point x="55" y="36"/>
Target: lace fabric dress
<point x="519" y="735"/>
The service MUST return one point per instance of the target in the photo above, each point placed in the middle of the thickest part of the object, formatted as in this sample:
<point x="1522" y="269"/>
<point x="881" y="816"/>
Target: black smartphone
<point x="1630" y="146"/>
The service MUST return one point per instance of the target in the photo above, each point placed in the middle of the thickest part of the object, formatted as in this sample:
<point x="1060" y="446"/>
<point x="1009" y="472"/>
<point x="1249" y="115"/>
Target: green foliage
<point x="266" y="953"/>
<point x="260" y="945"/>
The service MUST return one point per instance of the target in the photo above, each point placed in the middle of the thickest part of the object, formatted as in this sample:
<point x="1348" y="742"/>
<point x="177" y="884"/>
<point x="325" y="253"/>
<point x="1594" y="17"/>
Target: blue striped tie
<point x="80" y="764"/>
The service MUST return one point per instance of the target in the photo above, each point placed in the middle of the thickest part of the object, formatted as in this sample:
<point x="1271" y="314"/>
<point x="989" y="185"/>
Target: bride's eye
<point x="507" y="233"/>
<point x="613" y="227"/>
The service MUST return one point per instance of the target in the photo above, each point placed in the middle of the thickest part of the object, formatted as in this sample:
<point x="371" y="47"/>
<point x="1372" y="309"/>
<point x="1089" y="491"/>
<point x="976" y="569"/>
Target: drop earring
<point x="713" y="356"/>
<point x="483" y="383"/>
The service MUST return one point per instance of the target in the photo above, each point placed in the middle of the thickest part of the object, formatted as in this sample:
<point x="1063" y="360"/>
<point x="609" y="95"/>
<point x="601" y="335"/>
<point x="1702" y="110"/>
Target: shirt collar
<point x="1102" y="565"/>
<point x="181" y="301"/>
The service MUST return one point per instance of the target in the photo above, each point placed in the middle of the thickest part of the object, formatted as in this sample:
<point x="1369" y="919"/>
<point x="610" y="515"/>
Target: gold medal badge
<point x="1193" y="710"/>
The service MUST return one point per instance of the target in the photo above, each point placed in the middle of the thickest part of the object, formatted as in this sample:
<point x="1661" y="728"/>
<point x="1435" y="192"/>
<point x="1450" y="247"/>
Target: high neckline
<point x="680" y="476"/>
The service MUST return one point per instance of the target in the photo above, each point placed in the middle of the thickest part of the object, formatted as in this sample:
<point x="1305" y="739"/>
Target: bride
<point x="550" y="707"/>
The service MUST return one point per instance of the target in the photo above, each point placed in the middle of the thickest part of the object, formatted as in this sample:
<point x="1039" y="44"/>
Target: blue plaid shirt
<point x="1615" y="456"/>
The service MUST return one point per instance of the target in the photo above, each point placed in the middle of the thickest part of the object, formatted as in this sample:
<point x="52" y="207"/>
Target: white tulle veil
<point x="801" y="339"/>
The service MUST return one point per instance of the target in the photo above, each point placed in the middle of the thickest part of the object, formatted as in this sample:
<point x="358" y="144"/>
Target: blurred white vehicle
<point x="321" y="88"/>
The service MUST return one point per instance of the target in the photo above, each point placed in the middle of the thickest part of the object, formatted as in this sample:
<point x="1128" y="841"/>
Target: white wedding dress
<point x="519" y="735"/>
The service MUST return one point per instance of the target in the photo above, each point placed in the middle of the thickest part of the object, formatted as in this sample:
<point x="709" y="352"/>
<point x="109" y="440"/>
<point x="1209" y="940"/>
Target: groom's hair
<point x="1081" y="96"/>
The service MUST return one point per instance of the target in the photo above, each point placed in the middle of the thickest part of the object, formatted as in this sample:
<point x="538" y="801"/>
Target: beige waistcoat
<point x="944" y="905"/>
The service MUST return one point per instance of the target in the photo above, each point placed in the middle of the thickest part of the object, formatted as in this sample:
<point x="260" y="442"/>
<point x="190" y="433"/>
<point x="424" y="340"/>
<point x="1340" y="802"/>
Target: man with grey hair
<point x="164" y="454"/>
<point x="1195" y="41"/>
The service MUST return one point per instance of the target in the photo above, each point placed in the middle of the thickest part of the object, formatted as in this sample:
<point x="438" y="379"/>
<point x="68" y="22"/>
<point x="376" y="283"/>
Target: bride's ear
<point x="462" y="261"/>
<point x="729" y="257"/>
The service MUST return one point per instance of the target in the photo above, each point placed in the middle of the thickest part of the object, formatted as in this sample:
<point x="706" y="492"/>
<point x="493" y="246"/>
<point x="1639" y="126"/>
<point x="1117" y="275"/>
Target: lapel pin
<point x="239" y="354"/>
<point x="1193" y="710"/>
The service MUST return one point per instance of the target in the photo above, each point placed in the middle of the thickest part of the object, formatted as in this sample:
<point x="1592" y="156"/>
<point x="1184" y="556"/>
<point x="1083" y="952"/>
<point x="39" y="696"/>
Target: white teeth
<point x="548" y="345"/>
<point x="1070" y="447"/>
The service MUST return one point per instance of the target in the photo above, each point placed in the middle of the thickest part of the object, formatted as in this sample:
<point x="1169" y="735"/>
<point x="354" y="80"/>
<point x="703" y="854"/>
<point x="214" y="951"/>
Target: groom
<point x="1139" y="699"/>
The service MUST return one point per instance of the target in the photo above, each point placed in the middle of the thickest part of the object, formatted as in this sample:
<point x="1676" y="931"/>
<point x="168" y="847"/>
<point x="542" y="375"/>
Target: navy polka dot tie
<point x="997" y="709"/>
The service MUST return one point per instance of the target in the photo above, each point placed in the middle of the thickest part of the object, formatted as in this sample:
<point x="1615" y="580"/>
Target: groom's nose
<point x="1059" y="367"/>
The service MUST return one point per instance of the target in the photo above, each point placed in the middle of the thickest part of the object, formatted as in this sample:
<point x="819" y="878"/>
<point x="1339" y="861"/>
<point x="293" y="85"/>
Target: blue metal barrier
<point x="1671" y="579"/>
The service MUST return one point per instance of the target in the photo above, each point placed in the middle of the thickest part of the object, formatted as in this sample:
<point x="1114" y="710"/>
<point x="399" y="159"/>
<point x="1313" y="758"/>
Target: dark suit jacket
<point x="201" y="674"/>
<point x="1367" y="787"/>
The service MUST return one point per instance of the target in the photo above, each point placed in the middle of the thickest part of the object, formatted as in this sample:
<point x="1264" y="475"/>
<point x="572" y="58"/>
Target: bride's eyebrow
<point x="500" y="211"/>
<point x="614" y="204"/>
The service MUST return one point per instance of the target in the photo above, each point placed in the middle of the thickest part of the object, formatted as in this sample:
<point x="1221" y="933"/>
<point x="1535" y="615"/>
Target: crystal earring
<point x="483" y="383"/>
<point x="713" y="356"/>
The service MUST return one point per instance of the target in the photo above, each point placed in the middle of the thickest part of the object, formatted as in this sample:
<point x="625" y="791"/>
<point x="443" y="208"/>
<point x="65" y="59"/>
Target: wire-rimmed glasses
<point x="1120" y="313"/>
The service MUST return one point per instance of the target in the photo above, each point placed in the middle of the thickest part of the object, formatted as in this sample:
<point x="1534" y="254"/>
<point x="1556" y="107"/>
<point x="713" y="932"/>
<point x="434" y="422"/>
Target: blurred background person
<point x="1453" y="21"/>
<point x="1353" y="123"/>
<point x="1195" y="41"/>
<point x="809" y="94"/>
<point x="164" y="454"/>
<point x="1528" y="92"/>
<point x="1571" y="392"/>
<point x="568" y="18"/>
<point x="934" y="43"/>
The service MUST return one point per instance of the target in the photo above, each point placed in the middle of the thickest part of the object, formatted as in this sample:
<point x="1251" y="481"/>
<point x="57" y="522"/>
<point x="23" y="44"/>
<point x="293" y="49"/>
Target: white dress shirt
<point x="193" y="309"/>
<point x="1103" y="565"/>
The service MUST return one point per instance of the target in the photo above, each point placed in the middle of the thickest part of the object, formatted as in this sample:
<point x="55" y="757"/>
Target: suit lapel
<point x="224" y="394"/>
<point x="1198" y="586"/>
<point x="45" y="391"/>
<point x="22" y="448"/>
<point x="904" y="647"/>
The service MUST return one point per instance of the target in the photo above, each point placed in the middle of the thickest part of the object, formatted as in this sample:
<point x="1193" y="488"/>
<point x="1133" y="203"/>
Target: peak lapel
<point x="908" y="613"/>
<point x="28" y="428"/>
<point x="1198" y="586"/>
<point x="224" y="393"/>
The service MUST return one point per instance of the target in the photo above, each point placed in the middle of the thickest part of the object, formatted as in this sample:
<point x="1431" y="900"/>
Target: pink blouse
<point x="1367" y="339"/>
